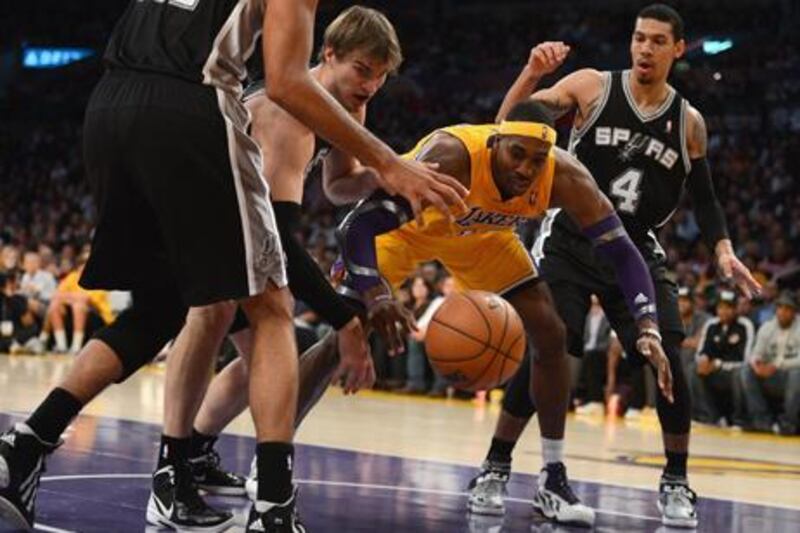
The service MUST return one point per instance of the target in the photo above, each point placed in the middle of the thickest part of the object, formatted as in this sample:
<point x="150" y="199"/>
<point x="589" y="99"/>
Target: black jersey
<point x="639" y="162"/>
<point x="204" y="41"/>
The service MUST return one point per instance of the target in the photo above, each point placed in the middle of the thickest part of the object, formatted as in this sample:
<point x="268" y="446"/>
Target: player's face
<point x="517" y="161"/>
<point x="356" y="78"/>
<point x="653" y="49"/>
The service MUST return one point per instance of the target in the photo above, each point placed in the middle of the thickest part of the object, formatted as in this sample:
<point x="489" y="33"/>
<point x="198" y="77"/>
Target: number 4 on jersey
<point x="625" y="188"/>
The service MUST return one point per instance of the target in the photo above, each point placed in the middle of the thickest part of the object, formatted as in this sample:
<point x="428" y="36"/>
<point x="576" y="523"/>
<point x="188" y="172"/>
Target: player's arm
<point x="344" y="179"/>
<point x="287" y="146"/>
<point x="288" y="40"/>
<point x="581" y="90"/>
<point x="707" y="209"/>
<point x="575" y="191"/>
<point x="381" y="213"/>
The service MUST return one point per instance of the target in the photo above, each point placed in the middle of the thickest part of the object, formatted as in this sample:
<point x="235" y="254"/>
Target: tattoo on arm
<point x="698" y="135"/>
<point x="556" y="108"/>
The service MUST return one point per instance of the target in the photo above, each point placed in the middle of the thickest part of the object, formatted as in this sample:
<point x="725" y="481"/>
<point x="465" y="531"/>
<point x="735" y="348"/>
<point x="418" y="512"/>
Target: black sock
<point x="54" y="414"/>
<point x="201" y="443"/>
<point x="676" y="465"/>
<point x="274" y="461"/>
<point x="500" y="450"/>
<point x="173" y="451"/>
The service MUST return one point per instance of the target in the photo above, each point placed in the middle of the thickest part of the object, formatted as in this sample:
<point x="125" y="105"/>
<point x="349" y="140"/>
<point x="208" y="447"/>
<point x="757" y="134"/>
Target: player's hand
<point x="391" y="320"/>
<point x="650" y="347"/>
<point x="734" y="270"/>
<point x="422" y="185"/>
<point x="355" y="370"/>
<point x="546" y="57"/>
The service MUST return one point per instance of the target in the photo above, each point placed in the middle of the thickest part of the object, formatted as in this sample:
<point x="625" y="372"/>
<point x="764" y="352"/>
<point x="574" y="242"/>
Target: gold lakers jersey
<point x="480" y="249"/>
<point x="487" y="211"/>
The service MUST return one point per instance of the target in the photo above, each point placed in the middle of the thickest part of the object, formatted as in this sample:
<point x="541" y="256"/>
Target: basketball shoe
<point x="488" y="488"/>
<point x="268" y="517"/>
<point x="677" y="503"/>
<point x="175" y="503"/>
<point x="555" y="500"/>
<point x="22" y="455"/>
<point x="210" y="477"/>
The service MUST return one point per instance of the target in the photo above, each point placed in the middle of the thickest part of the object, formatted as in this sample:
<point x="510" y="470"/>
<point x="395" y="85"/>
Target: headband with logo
<point x="537" y="130"/>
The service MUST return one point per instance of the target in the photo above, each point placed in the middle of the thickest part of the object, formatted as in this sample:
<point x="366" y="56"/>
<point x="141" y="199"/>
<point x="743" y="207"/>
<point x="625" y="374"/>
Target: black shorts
<point x="573" y="280"/>
<point x="179" y="191"/>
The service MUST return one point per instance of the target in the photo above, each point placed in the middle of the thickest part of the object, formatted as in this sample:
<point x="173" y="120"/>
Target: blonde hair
<point x="363" y="28"/>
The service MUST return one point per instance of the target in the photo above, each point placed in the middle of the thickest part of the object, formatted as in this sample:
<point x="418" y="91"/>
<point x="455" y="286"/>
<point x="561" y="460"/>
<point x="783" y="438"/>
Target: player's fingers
<point x="551" y="55"/>
<point x="438" y="203"/>
<point x="417" y="210"/>
<point x="450" y="186"/>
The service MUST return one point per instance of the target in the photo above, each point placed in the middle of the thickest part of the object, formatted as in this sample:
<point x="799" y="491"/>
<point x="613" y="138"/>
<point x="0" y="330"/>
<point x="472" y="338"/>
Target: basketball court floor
<point x="380" y="462"/>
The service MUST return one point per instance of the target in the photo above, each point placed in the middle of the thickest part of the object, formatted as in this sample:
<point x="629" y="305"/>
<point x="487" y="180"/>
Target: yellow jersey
<point x="487" y="211"/>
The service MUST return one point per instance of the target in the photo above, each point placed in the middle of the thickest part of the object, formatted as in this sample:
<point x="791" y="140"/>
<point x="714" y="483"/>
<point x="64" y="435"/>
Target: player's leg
<point x="227" y="397"/>
<point x="126" y="253"/>
<point x="115" y="353"/>
<point x="550" y="391"/>
<point x="506" y="268"/>
<point x="676" y="500"/>
<point x="189" y="369"/>
<point x="518" y="407"/>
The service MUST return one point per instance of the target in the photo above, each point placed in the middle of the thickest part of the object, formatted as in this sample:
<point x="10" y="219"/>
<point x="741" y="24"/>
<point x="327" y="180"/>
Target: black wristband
<point x="306" y="281"/>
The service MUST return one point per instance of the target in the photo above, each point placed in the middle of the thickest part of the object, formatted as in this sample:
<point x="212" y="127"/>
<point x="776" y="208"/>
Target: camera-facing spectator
<point x="446" y="287"/>
<point x="37" y="285"/>
<point x="17" y="325"/>
<point x="417" y="367"/>
<point x="693" y="321"/>
<point x="724" y="345"/>
<point x="773" y="368"/>
<point x="9" y="259"/>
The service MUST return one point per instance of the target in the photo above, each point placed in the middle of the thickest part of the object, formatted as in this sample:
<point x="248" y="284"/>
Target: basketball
<point x="475" y="340"/>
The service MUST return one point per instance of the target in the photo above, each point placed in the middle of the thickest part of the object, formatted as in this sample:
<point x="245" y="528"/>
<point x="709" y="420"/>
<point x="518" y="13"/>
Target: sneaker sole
<point x="485" y="510"/>
<point x="222" y="491"/>
<point x="10" y="514"/>
<point x="553" y="516"/>
<point x="154" y="517"/>
<point x="685" y="523"/>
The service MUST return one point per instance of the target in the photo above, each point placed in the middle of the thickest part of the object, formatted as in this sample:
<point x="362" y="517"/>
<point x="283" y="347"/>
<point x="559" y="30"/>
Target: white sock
<point x="77" y="341"/>
<point x="61" y="340"/>
<point x="552" y="451"/>
<point x="44" y="336"/>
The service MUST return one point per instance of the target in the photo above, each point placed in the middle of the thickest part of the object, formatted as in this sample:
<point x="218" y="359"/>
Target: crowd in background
<point x="456" y="70"/>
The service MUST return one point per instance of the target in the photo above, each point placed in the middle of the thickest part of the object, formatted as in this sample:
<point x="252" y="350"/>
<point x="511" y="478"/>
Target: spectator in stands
<point x="417" y="366"/>
<point x="725" y="343"/>
<point x="9" y="259"/>
<point x="82" y="303"/>
<point x="693" y="322"/>
<point x="773" y="369"/>
<point x="446" y="287"/>
<point x="37" y="285"/>
<point x="589" y="396"/>
<point x="17" y="325"/>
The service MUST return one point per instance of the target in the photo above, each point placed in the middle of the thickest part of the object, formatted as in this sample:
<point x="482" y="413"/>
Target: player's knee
<point x="272" y="304"/>
<point x="550" y="340"/>
<point x="214" y="317"/>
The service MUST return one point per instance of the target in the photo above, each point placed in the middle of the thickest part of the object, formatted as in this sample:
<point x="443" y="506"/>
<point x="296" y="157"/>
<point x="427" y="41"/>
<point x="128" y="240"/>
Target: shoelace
<point x="559" y="477"/>
<point x="682" y="491"/>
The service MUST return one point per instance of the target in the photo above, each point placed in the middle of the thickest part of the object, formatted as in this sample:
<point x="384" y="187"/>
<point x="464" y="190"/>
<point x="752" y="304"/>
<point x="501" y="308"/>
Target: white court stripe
<point x="323" y="482"/>
<point x="42" y="527"/>
<point x="448" y="493"/>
